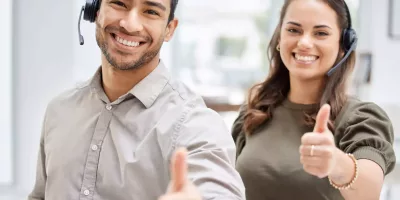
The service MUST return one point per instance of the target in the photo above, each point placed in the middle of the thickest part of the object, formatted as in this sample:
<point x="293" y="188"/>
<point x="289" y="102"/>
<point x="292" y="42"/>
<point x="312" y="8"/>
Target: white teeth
<point x="126" y="42"/>
<point x="305" y="58"/>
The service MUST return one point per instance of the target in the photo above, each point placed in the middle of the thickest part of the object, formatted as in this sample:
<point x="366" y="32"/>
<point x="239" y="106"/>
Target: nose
<point x="305" y="42"/>
<point x="132" y="22"/>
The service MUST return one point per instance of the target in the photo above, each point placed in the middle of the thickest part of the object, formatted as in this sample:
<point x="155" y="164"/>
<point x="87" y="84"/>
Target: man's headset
<point x="348" y="41"/>
<point x="89" y="11"/>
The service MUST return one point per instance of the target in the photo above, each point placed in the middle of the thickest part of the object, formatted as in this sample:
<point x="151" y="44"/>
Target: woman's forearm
<point x="368" y="184"/>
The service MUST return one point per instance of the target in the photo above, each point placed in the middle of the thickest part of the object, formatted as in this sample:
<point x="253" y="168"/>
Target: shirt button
<point x="94" y="147"/>
<point x="108" y="107"/>
<point x="86" y="192"/>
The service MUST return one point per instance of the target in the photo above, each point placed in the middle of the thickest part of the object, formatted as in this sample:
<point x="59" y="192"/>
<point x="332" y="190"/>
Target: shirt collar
<point x="152" y="85"/>
<point x="96" y="86"/>
<point x="146" y="91"/>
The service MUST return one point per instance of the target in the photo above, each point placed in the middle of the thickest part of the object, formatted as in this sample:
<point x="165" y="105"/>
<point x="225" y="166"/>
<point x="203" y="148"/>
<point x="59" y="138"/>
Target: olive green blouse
<point x="269" y="160"/>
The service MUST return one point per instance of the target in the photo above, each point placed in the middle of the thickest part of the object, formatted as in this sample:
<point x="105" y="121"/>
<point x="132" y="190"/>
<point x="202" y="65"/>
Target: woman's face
<point x="309" y="39"/>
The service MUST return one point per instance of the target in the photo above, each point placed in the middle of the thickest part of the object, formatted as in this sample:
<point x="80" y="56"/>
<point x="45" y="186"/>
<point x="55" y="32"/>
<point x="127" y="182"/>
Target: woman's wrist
<point x="345" y="169"/>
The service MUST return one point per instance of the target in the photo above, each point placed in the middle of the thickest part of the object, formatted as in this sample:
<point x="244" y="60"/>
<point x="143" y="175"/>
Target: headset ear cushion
<point x="348" y="38"/>
<point x="91" y="9"/>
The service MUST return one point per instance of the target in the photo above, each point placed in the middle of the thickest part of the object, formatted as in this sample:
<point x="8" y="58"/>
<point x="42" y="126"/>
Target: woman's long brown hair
<point x="264" y="97"/>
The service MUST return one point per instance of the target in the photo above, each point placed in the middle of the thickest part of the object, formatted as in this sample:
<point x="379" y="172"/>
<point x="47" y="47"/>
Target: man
<point x="113" y="138"/>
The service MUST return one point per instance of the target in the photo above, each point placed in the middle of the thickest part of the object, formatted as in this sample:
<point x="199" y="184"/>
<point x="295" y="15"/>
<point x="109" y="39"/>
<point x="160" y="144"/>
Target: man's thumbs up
<point x="321" y="124"/>
<point x="180" y="188"/>
<point x="178" y="170"/>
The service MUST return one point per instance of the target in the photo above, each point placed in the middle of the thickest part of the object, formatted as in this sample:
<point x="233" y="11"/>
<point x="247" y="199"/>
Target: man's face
<point x="130" y="33"/>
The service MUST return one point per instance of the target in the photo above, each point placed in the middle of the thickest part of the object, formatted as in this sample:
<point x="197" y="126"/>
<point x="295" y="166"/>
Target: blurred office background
<point x="218" y="50"/>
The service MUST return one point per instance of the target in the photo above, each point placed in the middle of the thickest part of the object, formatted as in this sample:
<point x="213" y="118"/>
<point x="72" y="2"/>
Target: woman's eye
<point x="292" y="30"/>
<point x="322" y="34"/>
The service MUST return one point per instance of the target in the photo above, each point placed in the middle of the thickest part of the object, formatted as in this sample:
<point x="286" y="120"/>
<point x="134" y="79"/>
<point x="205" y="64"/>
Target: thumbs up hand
<point x="180" y="188"/>
<point x="318" y="151"/>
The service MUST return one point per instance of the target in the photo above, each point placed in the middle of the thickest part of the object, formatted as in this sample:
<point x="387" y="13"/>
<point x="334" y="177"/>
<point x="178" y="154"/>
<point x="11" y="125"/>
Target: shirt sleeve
<point x="367" y="133"/>
<point x="211" y="154"/>
<point x="38" y="192"/>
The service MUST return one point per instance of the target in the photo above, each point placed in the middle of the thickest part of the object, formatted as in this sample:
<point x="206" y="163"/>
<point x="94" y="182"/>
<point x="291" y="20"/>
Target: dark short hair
<point x="174" y="3"/>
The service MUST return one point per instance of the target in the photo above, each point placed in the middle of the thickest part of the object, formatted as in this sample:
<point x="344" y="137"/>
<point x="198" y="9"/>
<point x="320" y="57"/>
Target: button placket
<point x="92" y="160"/>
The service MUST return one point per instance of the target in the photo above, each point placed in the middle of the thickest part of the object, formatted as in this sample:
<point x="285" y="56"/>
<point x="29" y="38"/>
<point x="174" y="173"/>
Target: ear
<point x="98" y="17"/>
<point x="171" y="27"/>
<point x="341" y="52"/>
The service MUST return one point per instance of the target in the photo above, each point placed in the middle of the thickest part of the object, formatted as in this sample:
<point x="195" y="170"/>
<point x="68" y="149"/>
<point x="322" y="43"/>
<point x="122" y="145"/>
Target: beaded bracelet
<point x="348" y="185"/>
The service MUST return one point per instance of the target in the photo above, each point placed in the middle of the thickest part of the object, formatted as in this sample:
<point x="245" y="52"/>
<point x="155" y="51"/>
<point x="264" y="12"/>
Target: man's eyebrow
<point x="155" y="4"/>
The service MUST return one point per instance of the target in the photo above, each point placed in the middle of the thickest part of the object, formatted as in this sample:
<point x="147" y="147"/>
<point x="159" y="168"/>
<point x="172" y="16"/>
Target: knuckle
<point x="301" y="149"/>
<point x="306" y="138"/>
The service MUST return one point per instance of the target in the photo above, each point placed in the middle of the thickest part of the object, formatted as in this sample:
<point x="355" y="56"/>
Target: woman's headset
<point x="348" y="41"/>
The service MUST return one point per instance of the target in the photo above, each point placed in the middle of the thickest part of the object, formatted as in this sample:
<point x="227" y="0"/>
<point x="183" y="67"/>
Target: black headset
<point x="89" y="11"/>
<point x="348" y="41"/>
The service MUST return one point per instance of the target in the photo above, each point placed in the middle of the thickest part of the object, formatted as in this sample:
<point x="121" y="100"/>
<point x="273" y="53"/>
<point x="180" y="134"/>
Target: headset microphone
<point x="348" y="52"/>
<point x="81" y="40"/>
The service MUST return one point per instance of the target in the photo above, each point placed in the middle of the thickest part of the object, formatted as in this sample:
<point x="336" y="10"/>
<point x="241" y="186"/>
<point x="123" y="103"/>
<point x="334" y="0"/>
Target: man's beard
<point x="130" y="65"/>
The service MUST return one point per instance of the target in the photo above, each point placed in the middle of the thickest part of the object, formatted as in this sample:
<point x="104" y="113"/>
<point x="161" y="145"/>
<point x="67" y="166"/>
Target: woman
<point x="299" y="136"/>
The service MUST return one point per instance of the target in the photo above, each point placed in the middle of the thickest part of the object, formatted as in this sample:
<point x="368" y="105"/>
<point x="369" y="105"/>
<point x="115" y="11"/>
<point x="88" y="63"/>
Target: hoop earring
<point x="278" y="48"/>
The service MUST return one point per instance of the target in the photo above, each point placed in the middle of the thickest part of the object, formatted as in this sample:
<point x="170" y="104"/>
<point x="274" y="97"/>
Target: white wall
<point x="384" y="87"/>
<point x="5" y="88"/>
<point x="42" y="67"/>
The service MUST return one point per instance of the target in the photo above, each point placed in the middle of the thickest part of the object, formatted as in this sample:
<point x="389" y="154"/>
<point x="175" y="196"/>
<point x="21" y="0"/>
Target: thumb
<point x="321" y="123"/>
<point x="179" y="170"/>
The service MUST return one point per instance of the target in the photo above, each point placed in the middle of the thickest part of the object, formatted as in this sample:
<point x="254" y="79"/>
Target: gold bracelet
<point x="348" y="185"/>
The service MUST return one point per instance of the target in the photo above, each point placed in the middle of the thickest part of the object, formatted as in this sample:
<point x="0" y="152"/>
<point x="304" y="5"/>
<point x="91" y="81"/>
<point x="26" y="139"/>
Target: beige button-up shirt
<point x="92" y="148"/>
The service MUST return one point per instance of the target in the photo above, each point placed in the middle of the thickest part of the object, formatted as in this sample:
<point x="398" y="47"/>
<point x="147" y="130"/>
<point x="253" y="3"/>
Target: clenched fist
<point x="318" y="151"/>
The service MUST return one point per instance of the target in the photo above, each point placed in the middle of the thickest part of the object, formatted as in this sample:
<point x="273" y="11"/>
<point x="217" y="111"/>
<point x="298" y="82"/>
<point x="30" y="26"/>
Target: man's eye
<point x="152" y="12"/>
<point x="119" y="3"/>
